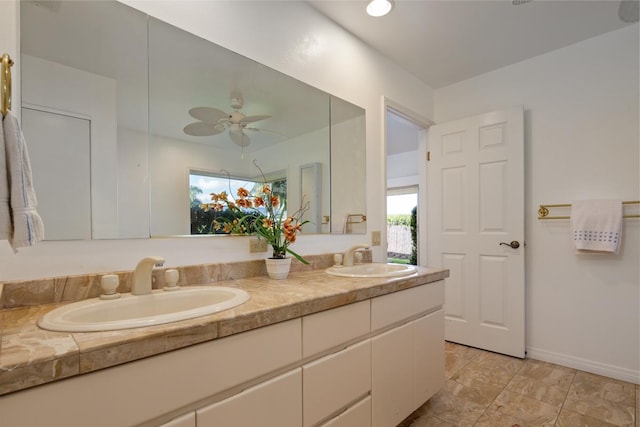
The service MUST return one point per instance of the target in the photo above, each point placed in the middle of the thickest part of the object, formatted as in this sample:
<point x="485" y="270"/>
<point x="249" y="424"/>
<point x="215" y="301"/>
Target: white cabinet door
<point x="392" y="384"/>
<point x="274" y="403"/>
<point x="407" y="368"/>
<point x="428" y="345"/>
<point x="335" y="381"/>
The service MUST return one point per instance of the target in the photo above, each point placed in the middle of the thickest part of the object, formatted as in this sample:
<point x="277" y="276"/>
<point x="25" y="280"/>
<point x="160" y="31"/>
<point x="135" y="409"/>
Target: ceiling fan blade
<point x="266" y="130"/>
<point x="208" y="114"/>
<point x="201" y="129"/>
<point x="239" y="138"/>
<point x="251" y="119"/>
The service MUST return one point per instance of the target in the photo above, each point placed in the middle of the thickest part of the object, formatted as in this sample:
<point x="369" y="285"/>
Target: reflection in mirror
<point x="213" y="110"/>
<point x="118" y="108"/>
<point x="84" y="116"/>
<point x="311" y="194"/>
<point x="208" y="215"/>
<point x="348" y="165"/>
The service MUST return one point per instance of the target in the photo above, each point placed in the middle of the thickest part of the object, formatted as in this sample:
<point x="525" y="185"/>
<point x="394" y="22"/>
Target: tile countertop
<point x="30" y="356"/>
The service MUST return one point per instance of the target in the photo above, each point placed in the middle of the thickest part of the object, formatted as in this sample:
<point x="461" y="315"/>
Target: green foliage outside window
<point x="399" y="219"/>
<point x="414" y="236"/>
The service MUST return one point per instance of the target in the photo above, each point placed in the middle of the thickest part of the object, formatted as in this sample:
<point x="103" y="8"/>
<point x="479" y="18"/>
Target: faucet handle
<point x="337" y="260"/>
<point x="357" y="257"/>
<point x="171" y="280"/>
<point x="109" y="284"/>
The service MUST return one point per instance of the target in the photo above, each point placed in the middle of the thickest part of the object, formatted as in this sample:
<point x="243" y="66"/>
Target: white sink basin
<point x="373" y="270"/>
<point x="134" y="311"/>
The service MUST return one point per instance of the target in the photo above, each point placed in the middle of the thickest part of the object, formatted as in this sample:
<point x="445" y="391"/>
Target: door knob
<point x="514" y="244"/>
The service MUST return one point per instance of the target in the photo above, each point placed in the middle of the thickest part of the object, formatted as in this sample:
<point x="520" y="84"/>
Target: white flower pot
<point x="278" y="268"/>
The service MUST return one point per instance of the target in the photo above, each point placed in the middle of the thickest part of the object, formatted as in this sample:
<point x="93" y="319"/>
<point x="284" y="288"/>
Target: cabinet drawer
<point x="392" y="308"/>
<point x="358" y="415"/>
<point x="327" y="329"/>
<point x="333" y="382"/>
<point x="232" y="360"/>
<point x="274" y="403"/>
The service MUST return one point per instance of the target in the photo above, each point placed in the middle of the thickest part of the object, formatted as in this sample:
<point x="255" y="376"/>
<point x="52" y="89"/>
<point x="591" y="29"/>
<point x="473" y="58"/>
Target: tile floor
<point x="492" y="390"/>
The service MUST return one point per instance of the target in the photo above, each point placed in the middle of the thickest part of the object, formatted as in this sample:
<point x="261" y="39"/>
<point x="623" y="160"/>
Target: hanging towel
<point x="6" y="228"/>
<point x="597" y="225"/>
<point x="26" y="227"/>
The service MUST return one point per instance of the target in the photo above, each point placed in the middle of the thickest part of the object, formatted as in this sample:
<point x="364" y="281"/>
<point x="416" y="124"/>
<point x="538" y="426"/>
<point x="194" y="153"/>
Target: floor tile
<point x="637" y="405"/>
<point x="586" y="384"/>
<point x="548" y="373"/>
<point x="489" y="370"/>
<point x="525" y="409"/>
<point x="457" y="356"/>
<point x="486" y="389"/>
<point x="572" y="419"/>
<point x="428" y="421"/>
<point x="457" y="404"/>
<point x="601" y="409"/>
<point x="537" y="389"/>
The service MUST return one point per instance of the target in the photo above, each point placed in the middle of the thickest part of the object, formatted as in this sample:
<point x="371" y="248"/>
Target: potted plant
<point x="265" y="215"/>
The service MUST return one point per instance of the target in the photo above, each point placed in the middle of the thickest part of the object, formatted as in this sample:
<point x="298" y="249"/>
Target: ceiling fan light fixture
<point x="377" y="8"/>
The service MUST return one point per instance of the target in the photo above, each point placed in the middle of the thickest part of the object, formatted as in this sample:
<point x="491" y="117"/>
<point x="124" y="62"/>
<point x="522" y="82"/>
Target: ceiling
<point x="442" y="42"/>
<point x="446" y="41"/>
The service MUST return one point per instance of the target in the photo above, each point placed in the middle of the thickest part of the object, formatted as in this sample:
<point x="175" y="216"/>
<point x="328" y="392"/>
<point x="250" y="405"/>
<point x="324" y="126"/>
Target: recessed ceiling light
<point x="379" y="7"/>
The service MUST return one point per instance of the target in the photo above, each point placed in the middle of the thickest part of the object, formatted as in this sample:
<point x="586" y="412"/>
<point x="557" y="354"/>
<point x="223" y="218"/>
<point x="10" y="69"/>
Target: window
<point x="203" y="184"/>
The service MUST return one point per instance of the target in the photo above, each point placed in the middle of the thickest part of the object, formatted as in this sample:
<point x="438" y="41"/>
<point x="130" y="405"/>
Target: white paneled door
<point x="475" y="220"/>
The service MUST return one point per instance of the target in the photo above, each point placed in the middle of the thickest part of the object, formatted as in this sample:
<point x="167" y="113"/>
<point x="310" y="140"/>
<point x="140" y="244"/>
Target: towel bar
<point x="543" y="211"/>
<point x="5" y="84"/>
<point x="363" y="218"/>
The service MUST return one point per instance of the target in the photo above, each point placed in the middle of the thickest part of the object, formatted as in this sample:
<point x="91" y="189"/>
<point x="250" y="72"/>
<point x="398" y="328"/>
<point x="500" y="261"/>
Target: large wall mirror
<point x="131" y="122"/>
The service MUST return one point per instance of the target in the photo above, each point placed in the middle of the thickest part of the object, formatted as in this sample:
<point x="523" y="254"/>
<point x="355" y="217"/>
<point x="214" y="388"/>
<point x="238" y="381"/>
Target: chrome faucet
<point x="347" y="260"/>
<point x="142" y="275"/>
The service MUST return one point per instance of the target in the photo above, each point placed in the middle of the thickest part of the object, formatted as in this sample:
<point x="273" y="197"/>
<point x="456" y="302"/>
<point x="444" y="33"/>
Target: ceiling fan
<point x="213" y="121"/>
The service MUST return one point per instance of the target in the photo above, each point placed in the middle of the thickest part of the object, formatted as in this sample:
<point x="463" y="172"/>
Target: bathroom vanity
<point x="311" y="350"/>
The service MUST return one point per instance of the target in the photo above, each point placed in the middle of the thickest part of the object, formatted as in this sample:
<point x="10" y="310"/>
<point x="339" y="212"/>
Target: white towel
<point x="6" y="228"/>
<point x="597" y="225"/>
<point x="25" y="225"/>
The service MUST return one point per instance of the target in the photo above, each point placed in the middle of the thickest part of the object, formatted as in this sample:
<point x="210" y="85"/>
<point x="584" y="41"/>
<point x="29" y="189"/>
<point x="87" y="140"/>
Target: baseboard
<point x="598" y="368"/>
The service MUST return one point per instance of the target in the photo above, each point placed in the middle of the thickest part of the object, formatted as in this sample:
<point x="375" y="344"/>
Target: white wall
<point x="581" y="137"/>
<point x="288" y="36"/>
<point x="61" y="89"/>
<point x="133" y="183"/>
<point x="347" y="157"/>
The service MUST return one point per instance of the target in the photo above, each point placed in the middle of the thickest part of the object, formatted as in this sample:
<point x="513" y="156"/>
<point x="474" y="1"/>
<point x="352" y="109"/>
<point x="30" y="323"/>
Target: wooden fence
<point x="399" y="240"/>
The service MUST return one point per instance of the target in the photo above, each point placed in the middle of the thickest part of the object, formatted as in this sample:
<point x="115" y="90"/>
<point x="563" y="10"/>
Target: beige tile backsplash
<point x="75" y="288"/>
